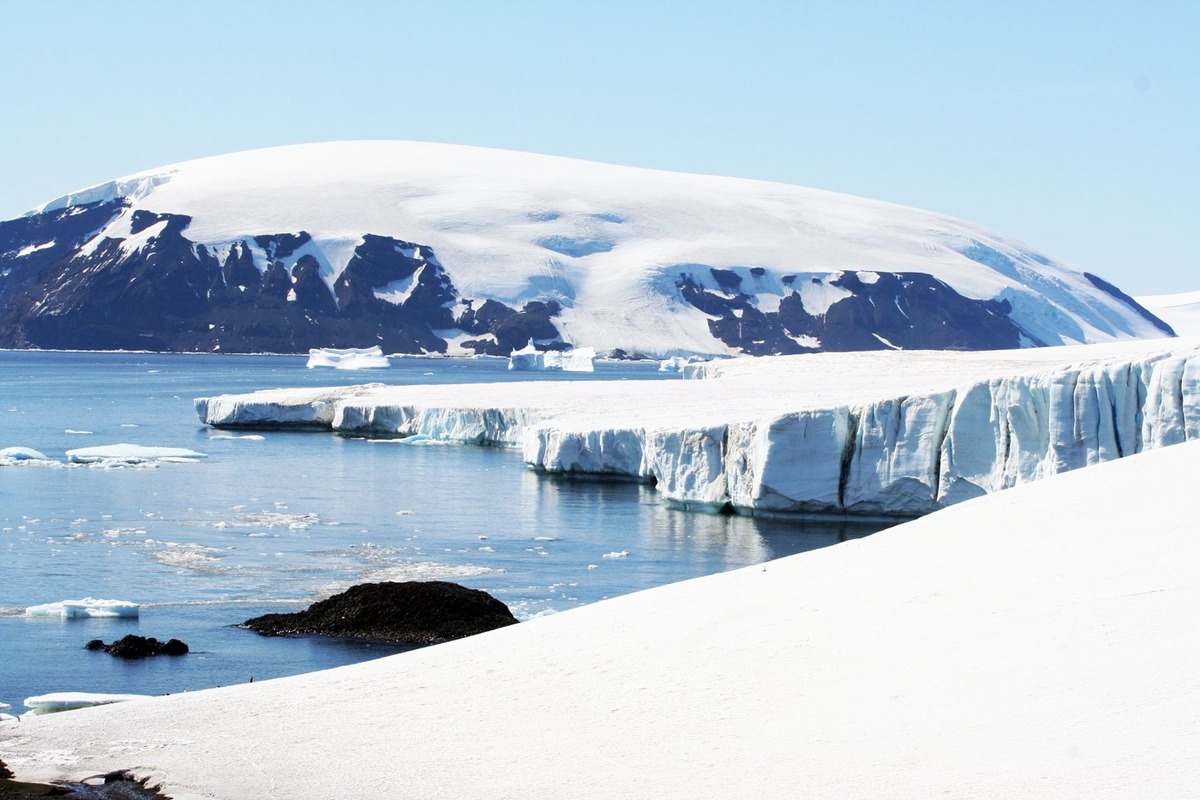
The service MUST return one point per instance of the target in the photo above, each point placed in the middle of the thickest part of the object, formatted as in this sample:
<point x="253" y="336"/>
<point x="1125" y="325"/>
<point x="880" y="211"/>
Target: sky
<point x="1073" y="126"/>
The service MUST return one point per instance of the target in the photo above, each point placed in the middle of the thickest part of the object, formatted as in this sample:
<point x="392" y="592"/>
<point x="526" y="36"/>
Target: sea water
<point x="272" y="521"/>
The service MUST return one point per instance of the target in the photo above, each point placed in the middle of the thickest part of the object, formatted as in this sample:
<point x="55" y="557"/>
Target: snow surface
<point x="893" y="432"/>
<point x="130" y="453"/>
<point x="607" y="243"/>
<point x="1180" y="311"/>
<point x="87" y="608"/>
<point x="1036" y="643"/>
<point x="348" y="358"/>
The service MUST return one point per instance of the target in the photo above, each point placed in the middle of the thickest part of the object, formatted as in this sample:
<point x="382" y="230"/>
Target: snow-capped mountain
<point x="436" y="248"/>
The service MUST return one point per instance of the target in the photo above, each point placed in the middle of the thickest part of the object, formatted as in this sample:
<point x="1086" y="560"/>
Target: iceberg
<point x="579" y="359"/>
<point x="87" y="608"/>
<point x="21" y="454"/>
<point x="882" y="433"/>
<point x="350" y="358"/>
<point x="131" y="453"/>
<point x="70" y="701"/>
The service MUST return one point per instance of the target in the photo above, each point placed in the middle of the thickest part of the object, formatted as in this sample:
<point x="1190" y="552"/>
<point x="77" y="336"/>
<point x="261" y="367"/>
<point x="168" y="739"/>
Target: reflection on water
<point x="272" y="522"/>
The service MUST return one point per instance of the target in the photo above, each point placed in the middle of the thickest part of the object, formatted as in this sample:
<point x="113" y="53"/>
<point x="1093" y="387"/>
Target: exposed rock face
<point x="886" y="311"/>
<point x="413" y="612"/>
<point x="133" y="646"/>
<point x="158" y="290"/>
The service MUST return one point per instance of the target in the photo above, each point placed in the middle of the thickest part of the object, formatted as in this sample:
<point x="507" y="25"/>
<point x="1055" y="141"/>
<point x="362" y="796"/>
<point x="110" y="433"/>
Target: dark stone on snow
<point x="412" y="612"/>
<point x="133" y="646"/>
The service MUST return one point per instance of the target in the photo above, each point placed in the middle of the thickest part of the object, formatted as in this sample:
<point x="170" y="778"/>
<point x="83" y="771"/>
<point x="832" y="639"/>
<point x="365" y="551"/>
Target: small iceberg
<point x="350" y="358"/>
<point x="131" y="454"/>
<point x="528" y="357"/>
<point x="87" y="608"/>
<point x="69" y="701"/>
<point x="677" y="363"/>
<point x="21" y="454"/>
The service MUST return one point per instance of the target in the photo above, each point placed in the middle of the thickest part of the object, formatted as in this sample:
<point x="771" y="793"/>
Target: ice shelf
<point x="894" y="433"/>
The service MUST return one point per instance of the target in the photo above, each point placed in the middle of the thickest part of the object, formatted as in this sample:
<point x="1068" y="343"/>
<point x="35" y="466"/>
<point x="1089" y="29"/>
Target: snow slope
<point x="638" y="259"/>
<point x="874" y="433"/>
<point x="1180" y="311"/>
<point x="1036" y="643"/>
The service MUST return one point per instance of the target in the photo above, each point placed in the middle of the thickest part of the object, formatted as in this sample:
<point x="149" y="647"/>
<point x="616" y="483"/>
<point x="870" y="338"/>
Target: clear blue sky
<point x="1074" y="126"/>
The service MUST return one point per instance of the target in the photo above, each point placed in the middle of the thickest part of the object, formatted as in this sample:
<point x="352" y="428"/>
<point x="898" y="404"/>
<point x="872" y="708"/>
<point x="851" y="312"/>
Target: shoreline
<point x="115" y="786"/>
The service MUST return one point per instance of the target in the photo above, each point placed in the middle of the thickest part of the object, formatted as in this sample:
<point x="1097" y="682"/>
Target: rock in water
<point x="133" y="646"/>
<point x="412" y="612"/>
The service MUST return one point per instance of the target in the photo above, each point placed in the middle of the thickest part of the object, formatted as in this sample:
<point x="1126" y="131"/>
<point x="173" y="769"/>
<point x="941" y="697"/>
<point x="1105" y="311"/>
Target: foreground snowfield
<point x="866" y="433"/>
<point x="1035" y="643"/>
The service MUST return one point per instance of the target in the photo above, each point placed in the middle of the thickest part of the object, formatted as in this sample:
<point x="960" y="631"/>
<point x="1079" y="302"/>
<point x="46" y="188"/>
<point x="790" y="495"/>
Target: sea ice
<point x="69" y="701"/>
<point x="131" y="453"/>
<point x="21" y="454"/>
<point x="349" y="358"/>
<point x="87" y="608"/>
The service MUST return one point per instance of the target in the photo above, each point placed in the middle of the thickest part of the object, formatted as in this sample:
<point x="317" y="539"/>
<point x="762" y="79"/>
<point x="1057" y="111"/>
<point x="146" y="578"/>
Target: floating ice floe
<point x="528" y="357"/>
<point x="131" y="453"/>
<point x="349" y="358"/>
<point x="87" y="608"/>
<point x="70" y="701"/>
<point x="21" y="454"/>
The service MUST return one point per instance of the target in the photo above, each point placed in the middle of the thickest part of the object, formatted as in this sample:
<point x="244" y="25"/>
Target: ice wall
<point x="901" y="455"/>
<point x="905" y="455"/>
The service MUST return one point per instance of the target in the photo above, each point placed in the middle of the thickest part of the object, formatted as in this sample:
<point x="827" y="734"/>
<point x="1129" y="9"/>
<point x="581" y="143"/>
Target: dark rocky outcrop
<point x="119" y="785"/>
<point x="133" y="646"/>
<point x="412" y="612"/>
<point x="64" y="287"/>
<point x="911" y="311"/>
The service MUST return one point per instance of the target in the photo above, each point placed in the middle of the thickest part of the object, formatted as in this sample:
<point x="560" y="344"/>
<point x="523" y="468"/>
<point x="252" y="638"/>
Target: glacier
<point x="895" y="433"/>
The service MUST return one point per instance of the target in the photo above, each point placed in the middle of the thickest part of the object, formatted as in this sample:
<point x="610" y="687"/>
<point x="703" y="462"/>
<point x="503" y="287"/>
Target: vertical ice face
<point x="906" y="454"/>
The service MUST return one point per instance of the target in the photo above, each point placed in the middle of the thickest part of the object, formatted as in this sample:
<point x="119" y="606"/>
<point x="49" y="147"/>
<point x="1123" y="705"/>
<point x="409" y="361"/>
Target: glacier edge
<point x="903" y="453"/>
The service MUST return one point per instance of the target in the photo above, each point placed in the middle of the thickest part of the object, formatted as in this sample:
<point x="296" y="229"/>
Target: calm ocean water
<point x="273" y="523"/>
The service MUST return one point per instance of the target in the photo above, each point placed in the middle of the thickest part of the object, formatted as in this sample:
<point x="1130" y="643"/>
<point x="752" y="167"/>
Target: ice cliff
<point x="900" y="433"/>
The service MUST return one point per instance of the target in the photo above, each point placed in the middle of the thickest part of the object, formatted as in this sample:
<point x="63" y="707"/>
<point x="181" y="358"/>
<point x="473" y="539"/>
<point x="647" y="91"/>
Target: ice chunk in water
<point x="529" y="358"/>
<point x="69" y="701"/>
<point x="349" y="358"/>
<point x="22" y="454"/>
<point x="88" y="607"/>
<point x="130" y="453"/>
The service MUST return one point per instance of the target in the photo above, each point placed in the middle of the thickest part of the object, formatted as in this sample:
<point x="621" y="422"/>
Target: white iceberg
<point x="131" y="453"/>
<point x="349" y="358"/>
<point x="677" y="363"/>
<point x="86" y="608"/>
<point x="70" y="701"/>
<point x="579" y="359"/>
<point x="21" y="454"/>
